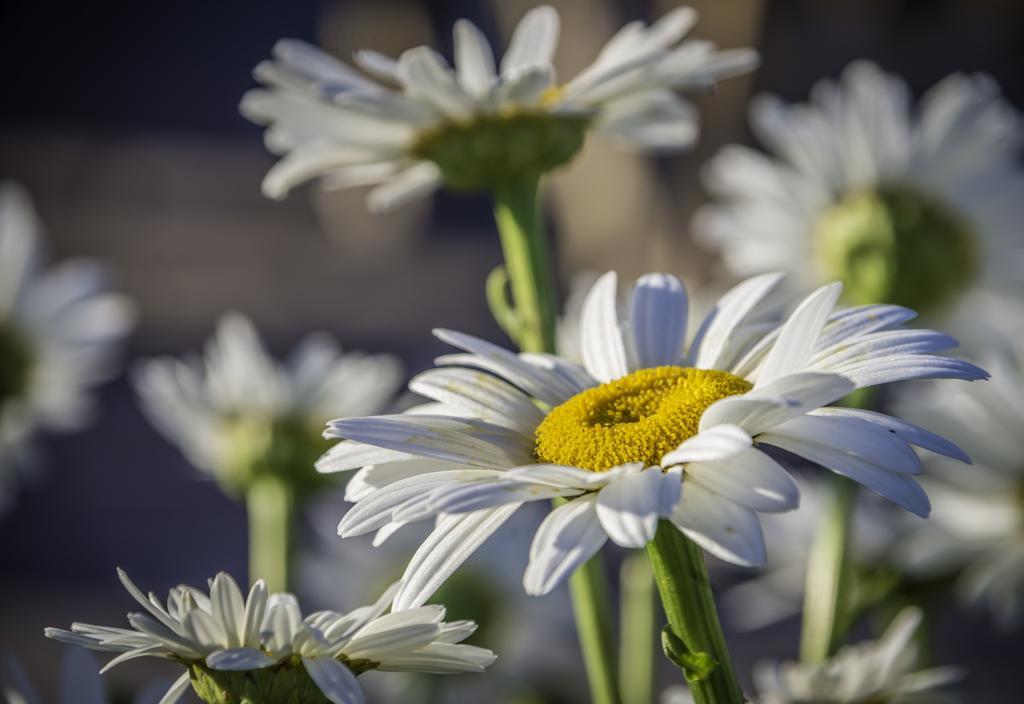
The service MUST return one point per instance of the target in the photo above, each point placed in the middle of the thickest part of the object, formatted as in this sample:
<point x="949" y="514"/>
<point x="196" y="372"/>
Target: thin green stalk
<point x="271" y="506"/>
<point x="587" y="588"/>
<point x="827" y="574"/>
<point x="694" y="638"/>
<point x="636" y="629"/>
<point x="529" y="319"/>
<point x="825" y="617"/>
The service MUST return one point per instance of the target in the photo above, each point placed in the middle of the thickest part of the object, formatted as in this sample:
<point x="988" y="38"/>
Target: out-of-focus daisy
<point x="649" y="427"/>
<point x="232" y="645"/>
<point x="414" y="123"/>
<point x="874" y="672"/>
<point x="60" y="330"/>
<point x="80" y="683"/>
<point x="918" y="206"/>
<point x="484" y="590"/>
<point x="239" y="413"/>
<point x="978" y="524"/>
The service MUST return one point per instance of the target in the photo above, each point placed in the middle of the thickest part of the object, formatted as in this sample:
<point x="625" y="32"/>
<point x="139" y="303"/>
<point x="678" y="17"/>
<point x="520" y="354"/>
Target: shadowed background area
<point x="121" y="120"/>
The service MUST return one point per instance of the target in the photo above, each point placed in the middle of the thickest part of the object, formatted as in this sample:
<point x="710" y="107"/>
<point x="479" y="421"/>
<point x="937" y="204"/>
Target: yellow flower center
<point x="638" y="418"/>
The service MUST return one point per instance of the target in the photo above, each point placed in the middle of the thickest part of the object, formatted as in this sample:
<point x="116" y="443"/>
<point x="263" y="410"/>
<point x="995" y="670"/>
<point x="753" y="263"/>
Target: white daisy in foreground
<point x="979" y="514"/>
<point x="906" y="206"/>
<point x="875" y="672"/>
<point x="648" y="428"/>
<point x="414" y="123"/>
<point x="59" y="335"/>
<point x="262" y="648"/>
<point x="239" y="412"/>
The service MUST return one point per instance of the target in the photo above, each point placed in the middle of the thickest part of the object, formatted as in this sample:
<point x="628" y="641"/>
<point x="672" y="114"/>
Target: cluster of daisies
<point x="649" y="418"/>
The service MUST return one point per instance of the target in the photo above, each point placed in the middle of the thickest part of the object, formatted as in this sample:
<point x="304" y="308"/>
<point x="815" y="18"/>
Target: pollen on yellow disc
<point x="638" y="418"/>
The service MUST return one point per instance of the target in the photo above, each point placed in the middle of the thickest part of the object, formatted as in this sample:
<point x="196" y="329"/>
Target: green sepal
<point x="696" y="667"/>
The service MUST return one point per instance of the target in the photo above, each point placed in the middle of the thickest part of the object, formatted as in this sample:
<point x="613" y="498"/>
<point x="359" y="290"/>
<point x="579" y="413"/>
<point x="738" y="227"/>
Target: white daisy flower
<point x="647" y="428"/>
<point x="265" y="636"/>
<point x="918" y="206"/>
<point x="60" y="330"/>
<point x="80" y="683"/>
<point x="239" y="412"/>
<point x="414" y="123"/>
<point x="976" y="527"/>
<point x="874" y="672"/>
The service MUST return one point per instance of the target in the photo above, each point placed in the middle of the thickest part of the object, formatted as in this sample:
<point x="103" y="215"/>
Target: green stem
<point x="593" y="627"/>
<point x="530" y="322"/>
<point x="271" y="505"/>
<point x="825" y="616"/>
<point x="682" y="579"/>
<point x="527" y="265"/>
<point x="636" y="630"/>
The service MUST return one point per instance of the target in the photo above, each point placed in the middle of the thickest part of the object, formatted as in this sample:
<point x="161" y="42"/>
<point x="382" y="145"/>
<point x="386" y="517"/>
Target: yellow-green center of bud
<point x="15" y="364"/>
<point x="285" y="683"/>
<point x="638" y="418"/>
<point x="255" y="447"/>
<point x="492" y="150"/>
<point x="896" y="245"/>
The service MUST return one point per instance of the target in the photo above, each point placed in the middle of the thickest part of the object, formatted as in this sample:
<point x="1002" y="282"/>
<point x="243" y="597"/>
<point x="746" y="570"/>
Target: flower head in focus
<point x="239" y="413"/>
<point x="234" y="647"/>
<point x="651" y="426"/>
<point x="60" y="329"/>
<point x="412" y="124"/>
<point x="875" y="672"/>
<point x="977" y="529"/>
<point x="917" y="206"/>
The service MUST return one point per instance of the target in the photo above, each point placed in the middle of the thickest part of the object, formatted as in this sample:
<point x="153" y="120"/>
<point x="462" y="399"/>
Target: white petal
<point x="604" y="353"/>
<point x="335" y="680"/>
<point x="799" y="335"/>
<point x="568" y="537"/>
<point x="651" y="121"/>
<point x="657" y="320"/>
<point x="228" y="608"/>
<point x="815" y="443"/>
<point x="480" y="395"/>
<point x="466" y="497"/>
<point x="907" y="432"/>
<point x="723" y="528"/>
<point x="396" y="632"/>
<point x="449" y="545"/>
<point x="533" y="41"/>
<point x="750" y="478"/>
<point x="176" y="690"/>
<point x="417" y="181"/>
<point x="426" y="76"/>
<point x="239" y="659"/>
<point x="377" y="476"/>
<point x="524" y="87"/>
<point x="777" y="402"/>
<point x="629" y="508"/>
<point x="716" y="443"/>
<point x="474" y="62"/>
<point x="717" y="331"/>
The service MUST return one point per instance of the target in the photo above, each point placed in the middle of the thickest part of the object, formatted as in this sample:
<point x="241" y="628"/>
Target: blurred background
<point x="121" y="120"/>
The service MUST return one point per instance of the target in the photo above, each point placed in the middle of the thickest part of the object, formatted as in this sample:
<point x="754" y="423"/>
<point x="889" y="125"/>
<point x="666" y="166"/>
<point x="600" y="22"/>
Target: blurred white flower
<point x="977" y="528"/>
<point x="340" y="573"/>
<point x="677" y="694"/>
<point x="414" y="123"/>
<point x="873" y="672"/>
<point x="79" y="682"/>
<point x="266" y="637"/>
<point x="60" y="330"/>
<point x="240" y="412"/>
<point x="539" y="426"/>
<point x="918" y="207"/>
